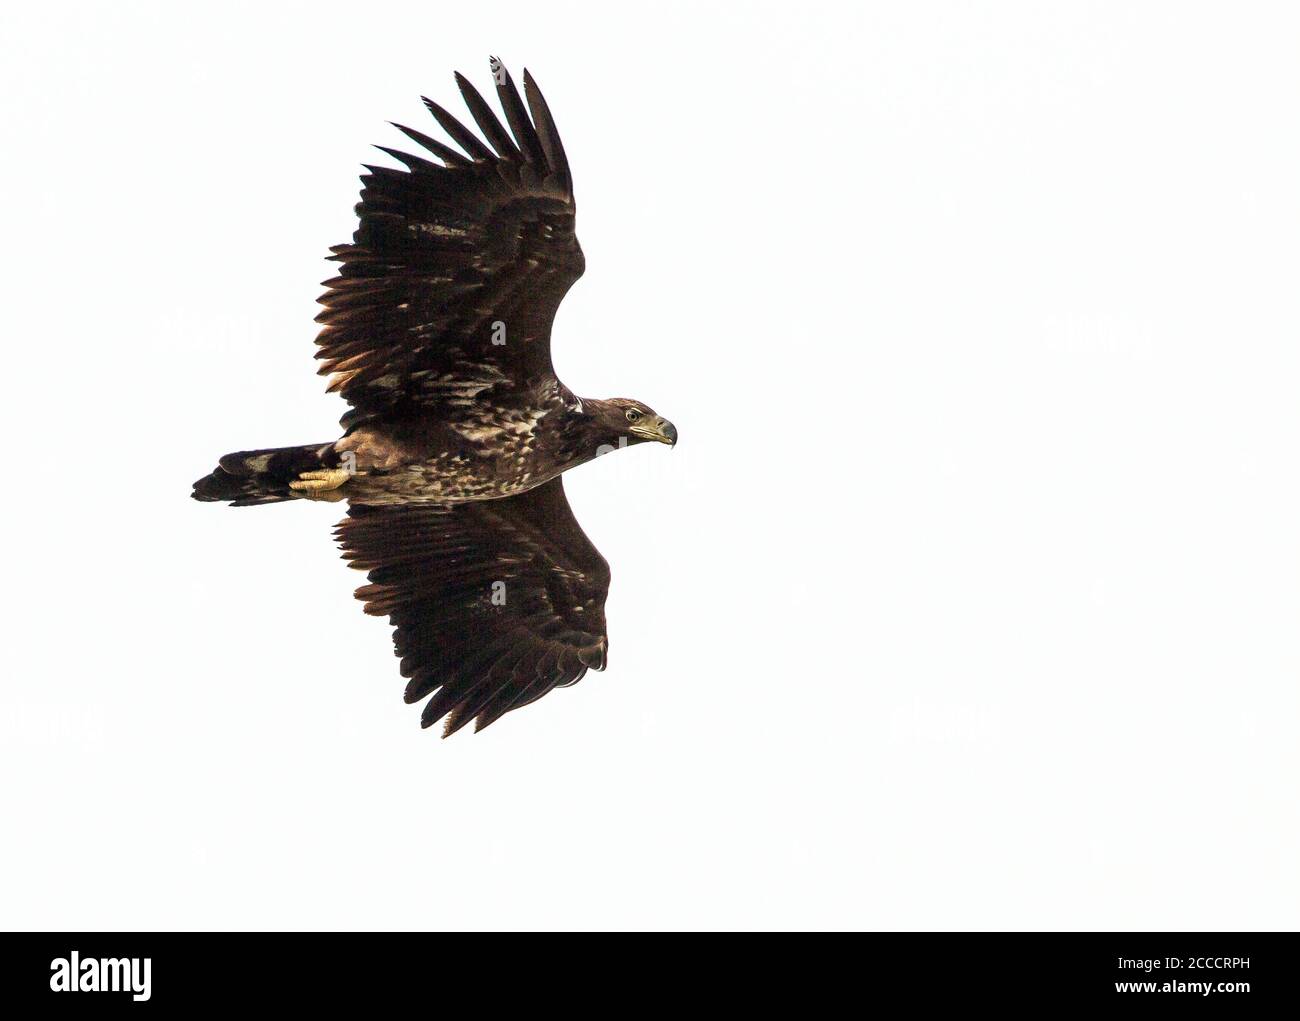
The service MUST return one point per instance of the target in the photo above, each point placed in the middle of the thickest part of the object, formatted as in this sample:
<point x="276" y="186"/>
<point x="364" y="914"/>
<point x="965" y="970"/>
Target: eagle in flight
<point x="437" y="332"/>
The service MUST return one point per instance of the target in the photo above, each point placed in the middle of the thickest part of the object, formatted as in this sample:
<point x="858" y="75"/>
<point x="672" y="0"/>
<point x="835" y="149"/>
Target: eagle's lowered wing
<point x="494" y="603"/>
<point x="447" y="293"/>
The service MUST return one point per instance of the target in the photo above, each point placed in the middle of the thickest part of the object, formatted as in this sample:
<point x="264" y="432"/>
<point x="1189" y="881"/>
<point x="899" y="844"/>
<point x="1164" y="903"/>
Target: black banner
<point x="160" y="972"/>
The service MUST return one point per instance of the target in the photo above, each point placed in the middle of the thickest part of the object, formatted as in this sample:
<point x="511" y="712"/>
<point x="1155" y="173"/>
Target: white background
<point x="968" y="599"/>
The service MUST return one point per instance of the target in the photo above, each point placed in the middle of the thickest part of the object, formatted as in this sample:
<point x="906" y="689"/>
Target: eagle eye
<point x="633" y="414"/>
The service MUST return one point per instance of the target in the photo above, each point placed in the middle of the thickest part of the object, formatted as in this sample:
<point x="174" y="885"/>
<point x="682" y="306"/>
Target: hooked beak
<point x="661" y="430"/>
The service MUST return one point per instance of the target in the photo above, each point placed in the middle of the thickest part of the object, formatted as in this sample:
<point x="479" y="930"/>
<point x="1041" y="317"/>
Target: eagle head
<point x="625" y="421"/>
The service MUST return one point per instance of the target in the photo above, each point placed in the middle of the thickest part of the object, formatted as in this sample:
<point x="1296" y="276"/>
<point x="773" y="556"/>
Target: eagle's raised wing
<point x="447" y="293"/>
<point x="494" y="602"/>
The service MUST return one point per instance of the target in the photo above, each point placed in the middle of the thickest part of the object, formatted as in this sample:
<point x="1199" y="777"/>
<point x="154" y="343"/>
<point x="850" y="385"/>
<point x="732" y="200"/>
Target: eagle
<point x="436" y="330"/>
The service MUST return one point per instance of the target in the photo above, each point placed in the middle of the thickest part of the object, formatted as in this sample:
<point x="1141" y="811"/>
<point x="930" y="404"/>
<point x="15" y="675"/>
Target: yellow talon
<point x="321" y="485"/>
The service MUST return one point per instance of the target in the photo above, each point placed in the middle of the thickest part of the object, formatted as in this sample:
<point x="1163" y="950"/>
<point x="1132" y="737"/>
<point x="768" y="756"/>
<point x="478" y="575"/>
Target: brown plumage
<point x="436" y="330"/>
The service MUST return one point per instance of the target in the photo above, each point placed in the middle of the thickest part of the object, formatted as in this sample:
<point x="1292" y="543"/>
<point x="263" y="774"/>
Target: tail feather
<point x="251" y="477"/>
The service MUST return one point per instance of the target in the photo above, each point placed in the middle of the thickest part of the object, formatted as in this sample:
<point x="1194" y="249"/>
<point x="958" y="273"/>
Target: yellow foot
<point x="321" y="485"/>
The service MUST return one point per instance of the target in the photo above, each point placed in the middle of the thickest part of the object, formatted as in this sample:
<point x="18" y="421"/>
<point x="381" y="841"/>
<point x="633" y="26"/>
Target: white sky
<point x="968" y="599"/>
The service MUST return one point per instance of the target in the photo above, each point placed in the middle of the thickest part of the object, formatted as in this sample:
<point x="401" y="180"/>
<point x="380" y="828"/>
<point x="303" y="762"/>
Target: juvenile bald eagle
<point x="437" y="331"/>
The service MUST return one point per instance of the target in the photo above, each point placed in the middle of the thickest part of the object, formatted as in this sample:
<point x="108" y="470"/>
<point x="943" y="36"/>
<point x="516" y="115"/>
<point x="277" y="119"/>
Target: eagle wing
<point x="494" y="602"/>
<point x="447" y="293"/>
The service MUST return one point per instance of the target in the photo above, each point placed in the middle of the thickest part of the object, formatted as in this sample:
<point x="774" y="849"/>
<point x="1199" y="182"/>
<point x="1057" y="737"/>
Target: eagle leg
<point x="321" y="485"/>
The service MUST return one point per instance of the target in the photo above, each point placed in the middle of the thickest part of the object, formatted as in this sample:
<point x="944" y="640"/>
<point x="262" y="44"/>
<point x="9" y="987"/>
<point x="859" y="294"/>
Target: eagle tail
<point x="251" y="477"/>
